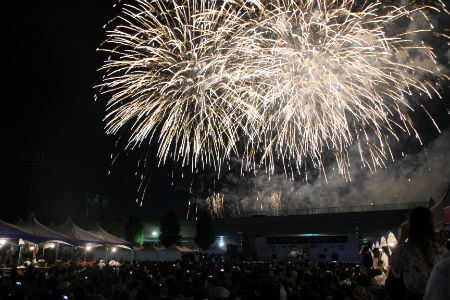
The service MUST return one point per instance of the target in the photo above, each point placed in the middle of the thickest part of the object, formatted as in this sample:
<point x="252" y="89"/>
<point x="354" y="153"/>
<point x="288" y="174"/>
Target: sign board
<point x="307" y="239"/>
<point x="447" y="214"/>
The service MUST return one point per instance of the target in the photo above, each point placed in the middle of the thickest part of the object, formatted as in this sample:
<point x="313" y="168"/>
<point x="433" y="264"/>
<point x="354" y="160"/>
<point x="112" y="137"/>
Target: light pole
<point x="154" y="235"/>
<point x="87" y="248"/>
<point x="29" y="161"/>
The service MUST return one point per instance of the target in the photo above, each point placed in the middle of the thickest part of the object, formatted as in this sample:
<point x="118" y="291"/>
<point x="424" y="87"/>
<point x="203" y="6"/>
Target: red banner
<point x="447" y="214"/>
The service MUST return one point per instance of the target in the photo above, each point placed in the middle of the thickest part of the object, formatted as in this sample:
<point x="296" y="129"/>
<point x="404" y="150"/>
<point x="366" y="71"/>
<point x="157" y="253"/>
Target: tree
<point x="134" y="229"/>
<point x="205" y="235"/>
<point x="169" y="229"/>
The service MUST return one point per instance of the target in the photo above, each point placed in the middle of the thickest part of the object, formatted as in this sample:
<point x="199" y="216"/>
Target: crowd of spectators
<point x="192" y="280"/>
<point x="408" y="272"/>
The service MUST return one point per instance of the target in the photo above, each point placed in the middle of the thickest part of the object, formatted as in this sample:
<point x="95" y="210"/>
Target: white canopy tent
<point x="41" y="233"/>
<point x="391" y="240"/>
<point x="10" y="231"/>
<point x="108" y="238"/>
<point x="112" y="243"/>
<point x="84" y="237"/>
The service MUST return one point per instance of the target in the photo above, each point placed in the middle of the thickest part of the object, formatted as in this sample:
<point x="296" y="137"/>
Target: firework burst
<point x="276" y="203"/>
<point x="168" y="77"/>
<point x="269" y="81"/>
<point x="215" y="205"/>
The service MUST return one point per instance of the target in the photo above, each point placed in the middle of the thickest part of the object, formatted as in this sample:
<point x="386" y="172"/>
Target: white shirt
<point x="438" y="286"/>
<point x="385" y="260"/>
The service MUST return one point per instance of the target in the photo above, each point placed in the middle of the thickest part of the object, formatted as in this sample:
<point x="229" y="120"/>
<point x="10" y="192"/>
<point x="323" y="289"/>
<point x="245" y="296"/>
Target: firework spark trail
<point x="168" y="78"/>
<point x="269" y="81"/>
<point x="215" y="205"/>
<point x="275" y="203"/>
<point x="328" y="76"/>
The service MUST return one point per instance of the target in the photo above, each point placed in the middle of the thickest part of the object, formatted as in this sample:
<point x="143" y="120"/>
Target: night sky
<point x="48" y="73"/>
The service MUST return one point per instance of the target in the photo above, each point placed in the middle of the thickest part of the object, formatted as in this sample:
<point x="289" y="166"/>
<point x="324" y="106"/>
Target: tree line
<point x="170" y="231"/>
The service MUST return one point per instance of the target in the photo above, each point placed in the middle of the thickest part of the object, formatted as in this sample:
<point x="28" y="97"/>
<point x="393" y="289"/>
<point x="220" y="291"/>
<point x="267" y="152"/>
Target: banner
<point x="307" y="239"/>
<point x="447" y="214"/>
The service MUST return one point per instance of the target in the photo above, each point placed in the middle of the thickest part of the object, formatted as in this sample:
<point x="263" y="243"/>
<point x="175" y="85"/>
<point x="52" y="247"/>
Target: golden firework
<point x="215" y="205"/>
<point x="267" y="81"/>
<point x="275" y="203"/>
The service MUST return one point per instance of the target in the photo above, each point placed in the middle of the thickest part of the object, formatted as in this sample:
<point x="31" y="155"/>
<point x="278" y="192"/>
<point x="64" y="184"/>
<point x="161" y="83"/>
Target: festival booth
<point x="42" y="234"/>
<point x="11" y="233"/>
<point x="11" y="240"/>
<point x="39" y="234"/>
<point x="115" y="247"/>
<point x="391" y="240"/>
<point x="388" y="241"/>
<point x="84" y="239"/>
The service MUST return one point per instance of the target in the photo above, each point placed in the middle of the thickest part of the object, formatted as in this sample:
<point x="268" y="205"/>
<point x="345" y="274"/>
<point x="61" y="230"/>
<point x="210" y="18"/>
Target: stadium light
<point x="221" y="242"/>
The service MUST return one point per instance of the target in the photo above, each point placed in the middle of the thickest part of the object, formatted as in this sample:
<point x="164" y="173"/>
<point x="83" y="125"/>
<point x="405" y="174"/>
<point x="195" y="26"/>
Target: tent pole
<point x="57" y="252"/>
<point x="20" y="255"/>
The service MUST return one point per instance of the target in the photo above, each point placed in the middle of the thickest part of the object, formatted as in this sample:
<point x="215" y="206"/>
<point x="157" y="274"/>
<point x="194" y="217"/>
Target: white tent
<point x="108" y="238"/>
<point x="391" y="240"/>
<point x="42" y="233"/>
<point x="10" y="231"/>
<point x="114" y="245"/>
<point x="84" y="237"/>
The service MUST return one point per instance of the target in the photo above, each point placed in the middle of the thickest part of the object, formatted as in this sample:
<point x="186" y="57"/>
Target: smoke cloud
<point x="410" y="179"/>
